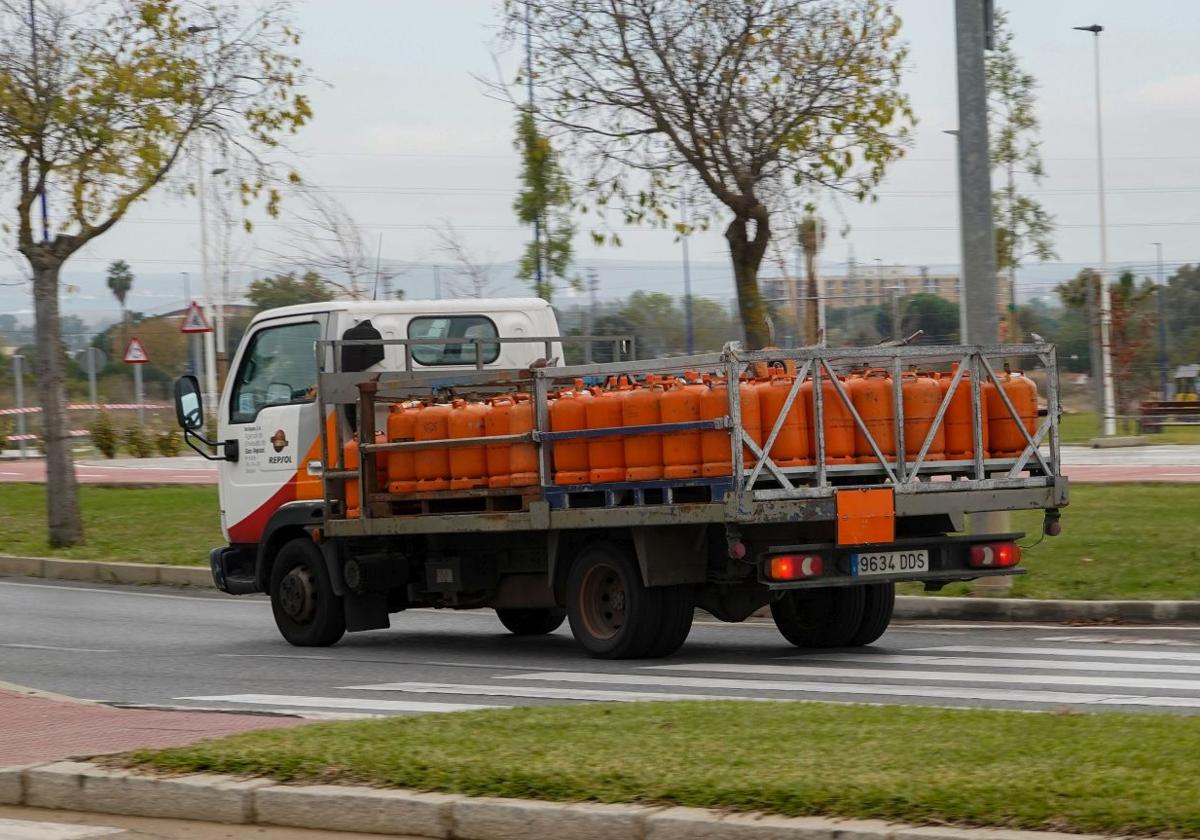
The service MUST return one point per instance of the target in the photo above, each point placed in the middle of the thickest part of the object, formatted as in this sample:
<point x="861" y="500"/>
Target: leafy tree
<point x="1023" y="227"/>
<point x="120" y="281"/>
<point x="1183" y="315"/>
<point x="288" y="290"/>
<point x="99" y="104"/>
<point x="935" y="316"/>
<point x="544" y="201"/>
<point x="755" y="101"/>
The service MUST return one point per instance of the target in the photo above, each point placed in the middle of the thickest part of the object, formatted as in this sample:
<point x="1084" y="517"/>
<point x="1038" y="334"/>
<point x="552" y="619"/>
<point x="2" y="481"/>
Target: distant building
<point x="867" y="286"/>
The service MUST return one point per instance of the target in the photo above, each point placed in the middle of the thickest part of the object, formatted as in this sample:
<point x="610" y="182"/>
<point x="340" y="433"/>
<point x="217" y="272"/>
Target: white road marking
<point x="997" y="662"/>
<point x="11" y="473"/>
<point x="535" y="692"/>
<point x="931" y="676"/>
<point x="1091" y="640"/>
<point x="302" y="702"/>
<point x="868" y="689"/>
<point x="1045" y="625"/>
<point x="53" y="647"/>
<point x="1157" y="655"/>
<point x="114" y="591"/>
<point x="26" y="830"/>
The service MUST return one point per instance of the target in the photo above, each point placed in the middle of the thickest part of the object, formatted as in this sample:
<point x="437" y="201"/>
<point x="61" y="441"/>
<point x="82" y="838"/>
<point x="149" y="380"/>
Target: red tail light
<point x="794" y="566"/>
<point x="994" y="555"/>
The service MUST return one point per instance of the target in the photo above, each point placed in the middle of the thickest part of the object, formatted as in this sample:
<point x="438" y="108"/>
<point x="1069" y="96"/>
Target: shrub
<point x="169" y="443"/>
<point x="138" y="442"/>
<point x="104" y="434"/>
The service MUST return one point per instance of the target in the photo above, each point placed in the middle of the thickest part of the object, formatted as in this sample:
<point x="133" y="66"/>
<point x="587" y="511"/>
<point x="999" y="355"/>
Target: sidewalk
<point x="43" y="727"/>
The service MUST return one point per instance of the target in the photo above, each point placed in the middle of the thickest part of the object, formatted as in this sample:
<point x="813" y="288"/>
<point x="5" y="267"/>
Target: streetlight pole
<point x="210" y="344"/>
<point x="1107" y="392"/>
<point x="19" y="385"/>
<point x="1163" y="379"/>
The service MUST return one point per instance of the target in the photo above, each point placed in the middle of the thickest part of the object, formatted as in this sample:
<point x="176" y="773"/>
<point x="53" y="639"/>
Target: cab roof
<point x="367" y="308"/>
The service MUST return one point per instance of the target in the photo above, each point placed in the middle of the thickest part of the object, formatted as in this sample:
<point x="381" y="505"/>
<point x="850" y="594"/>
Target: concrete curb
<point x="80" y="786"/>
<point x="1019" y="609"/>
<point x="101" y="571"/>
<point x="908" y="607"/>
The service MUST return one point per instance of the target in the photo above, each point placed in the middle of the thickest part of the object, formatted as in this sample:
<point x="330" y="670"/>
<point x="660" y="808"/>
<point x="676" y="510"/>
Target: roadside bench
<point x="1154" y="415"/>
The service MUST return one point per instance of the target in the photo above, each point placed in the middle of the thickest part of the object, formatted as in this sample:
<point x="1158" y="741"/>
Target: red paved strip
<point x="36" y="728"/>
<point x="1094" y="474"/>
<point x="35" y="471"/>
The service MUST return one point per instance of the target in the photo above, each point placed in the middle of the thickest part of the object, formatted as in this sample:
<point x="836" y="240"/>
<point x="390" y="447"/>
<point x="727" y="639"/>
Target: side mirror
<point x="189" y="407"/>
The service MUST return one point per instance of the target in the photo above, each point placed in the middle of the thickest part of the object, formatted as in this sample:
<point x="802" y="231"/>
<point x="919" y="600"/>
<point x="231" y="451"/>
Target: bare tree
<point x="98" y="104"/>
<point x="324" y="238"/>
<point x="472" y="276"/>
<point x="757" y="99"/>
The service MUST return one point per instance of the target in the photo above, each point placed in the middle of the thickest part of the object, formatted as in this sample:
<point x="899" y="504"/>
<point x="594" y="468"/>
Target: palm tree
<point x="812" y="238"/>
<point x="120" y="281"/>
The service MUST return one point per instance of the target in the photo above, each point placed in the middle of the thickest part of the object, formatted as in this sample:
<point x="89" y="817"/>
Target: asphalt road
<point x="170" y="648"/>
<point x="1178" y="463"/>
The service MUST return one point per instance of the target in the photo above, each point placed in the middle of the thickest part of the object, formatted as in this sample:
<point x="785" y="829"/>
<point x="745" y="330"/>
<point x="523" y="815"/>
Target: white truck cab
<point x="268" y="413"/>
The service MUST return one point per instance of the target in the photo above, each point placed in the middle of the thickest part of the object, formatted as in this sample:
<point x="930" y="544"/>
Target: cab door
<point x="272" y="413"/>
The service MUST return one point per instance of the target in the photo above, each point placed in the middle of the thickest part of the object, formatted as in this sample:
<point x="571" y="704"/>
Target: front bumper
<point x="233" y="569"/>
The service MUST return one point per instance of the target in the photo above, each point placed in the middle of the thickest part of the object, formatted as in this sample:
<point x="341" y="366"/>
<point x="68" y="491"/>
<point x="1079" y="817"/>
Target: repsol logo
<point x="279" y="459"/>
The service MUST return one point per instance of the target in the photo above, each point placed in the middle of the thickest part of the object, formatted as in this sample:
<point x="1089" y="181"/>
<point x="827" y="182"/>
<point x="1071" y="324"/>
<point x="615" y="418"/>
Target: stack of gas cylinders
<point x="623" y="402"/>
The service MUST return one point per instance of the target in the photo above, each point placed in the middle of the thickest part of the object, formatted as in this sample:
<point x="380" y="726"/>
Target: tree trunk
<point x="747" y="255"/>
<point x="62" y="492"/>
<point x="812" y="320"/>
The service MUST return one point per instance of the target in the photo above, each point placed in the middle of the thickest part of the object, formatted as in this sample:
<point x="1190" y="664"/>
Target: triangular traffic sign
<point x="194" y="321"/>
<point x="135" y="353"/>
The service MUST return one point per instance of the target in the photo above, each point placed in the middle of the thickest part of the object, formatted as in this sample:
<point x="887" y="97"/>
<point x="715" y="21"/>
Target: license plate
<point x="889" y="562"/>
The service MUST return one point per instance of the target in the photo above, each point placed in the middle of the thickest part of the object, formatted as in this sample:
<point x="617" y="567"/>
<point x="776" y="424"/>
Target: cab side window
<point x="452" y="326"/>
<point x="279" y="368"/>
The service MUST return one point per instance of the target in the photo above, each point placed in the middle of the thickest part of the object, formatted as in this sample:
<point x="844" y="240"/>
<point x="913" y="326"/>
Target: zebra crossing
<point x="1029" y="676"/>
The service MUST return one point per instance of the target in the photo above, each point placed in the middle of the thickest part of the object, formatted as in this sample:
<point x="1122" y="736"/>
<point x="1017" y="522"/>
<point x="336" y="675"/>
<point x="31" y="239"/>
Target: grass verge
<point x="1119" y="541"/>
<point x="1109" y="773"/>
<point x="175" y="525"/>
<point x="1080" y="427"/>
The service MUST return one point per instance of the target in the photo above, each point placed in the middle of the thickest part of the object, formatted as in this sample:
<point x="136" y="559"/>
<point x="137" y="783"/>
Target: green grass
<point x="1111" y="773"/>
<point x="1081" y="427"/>
<point x="1119" y="541"/>
<point x="176" y="525"/>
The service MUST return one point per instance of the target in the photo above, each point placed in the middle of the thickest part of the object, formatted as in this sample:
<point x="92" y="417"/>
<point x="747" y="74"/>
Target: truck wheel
<point x="679" y="606"/>
<point x="820" y="618"/>
<point x="878" y="602"/>
<point x="612" y="615"/>
<point x="307" y="612"/>
<point x="531" y="622"/>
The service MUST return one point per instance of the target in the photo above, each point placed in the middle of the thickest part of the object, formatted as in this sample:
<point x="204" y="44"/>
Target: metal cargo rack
<point x="753" y="492"/>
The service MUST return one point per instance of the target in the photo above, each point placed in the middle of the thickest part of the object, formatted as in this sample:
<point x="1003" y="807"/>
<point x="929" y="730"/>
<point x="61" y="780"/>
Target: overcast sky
<point x="405" y="137"/>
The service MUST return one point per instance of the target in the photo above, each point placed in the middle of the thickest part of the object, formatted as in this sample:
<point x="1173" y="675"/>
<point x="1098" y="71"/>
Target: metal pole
<point x="980" y="294"/>
<point x="437" y="282"/>
<point x="91" y="357"/>
<point x="1163" y="379"/>
<point x="139" y="394"/>
<point x="537" y="222"/>
<point x="1107" y="394"/>
<point x="210" y="345"/>
<point x="688" y="327"/>
<point x="19" y="380"/>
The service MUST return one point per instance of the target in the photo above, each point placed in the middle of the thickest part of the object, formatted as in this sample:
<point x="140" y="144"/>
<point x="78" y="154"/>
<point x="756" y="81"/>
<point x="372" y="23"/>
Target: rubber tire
<point x="531" y="622"/>
<point x="328" y="623"/>
<point x="679" y="607"/>
<point x="880" y="601"/>
<point x="643" y="605"/>
<point x="820" y="618"/>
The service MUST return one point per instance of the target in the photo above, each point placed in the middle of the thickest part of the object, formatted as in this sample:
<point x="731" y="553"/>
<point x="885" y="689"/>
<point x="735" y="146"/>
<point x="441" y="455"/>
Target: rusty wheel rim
<point x="603" y="601"/>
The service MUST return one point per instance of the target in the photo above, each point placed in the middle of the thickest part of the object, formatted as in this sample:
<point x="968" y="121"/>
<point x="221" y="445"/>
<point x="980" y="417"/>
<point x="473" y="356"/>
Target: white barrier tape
<point x="89" y="407"/>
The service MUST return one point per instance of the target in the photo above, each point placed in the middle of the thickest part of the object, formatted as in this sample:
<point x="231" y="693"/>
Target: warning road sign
<point x="194" y="321"/>
<point x="135" y="353"/>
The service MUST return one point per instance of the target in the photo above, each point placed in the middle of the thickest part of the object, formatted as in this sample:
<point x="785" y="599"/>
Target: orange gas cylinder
<point x="960" y="425"/>
<point x="714" y="444"/>
<point x="681" y="450"/>
<point x="468" y="464"/>
<point x="874" y="401"/>
<point x="433" y="464"/>
<point x="568" y="413"/>
<point x="402" y="464"/>
<point x="606" y="456"/>
<point x="791" y="444"/>
<point x="495" y="424"/>
<point x="351" y="460"/>
<point x="1004" y="435"/>
<point x="839" y="424"/>
<point x="522" y="457"/>
<point x="643" y="453"/>
<point x="922" y="397"/>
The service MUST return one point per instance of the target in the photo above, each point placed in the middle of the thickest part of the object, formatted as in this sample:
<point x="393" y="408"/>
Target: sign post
<point x="93" y="360"/>
<point x="19" y="379"/>
<point x="196" y="322"/>
<point x="135" y="354"/>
